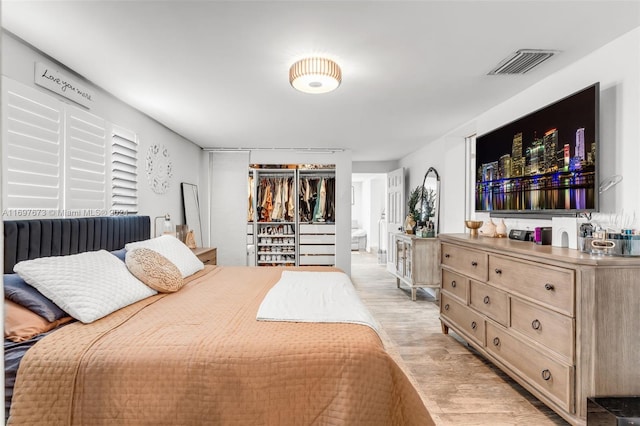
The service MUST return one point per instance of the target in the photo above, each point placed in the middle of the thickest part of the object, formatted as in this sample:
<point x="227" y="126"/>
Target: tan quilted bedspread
<point x="199" y="356"/>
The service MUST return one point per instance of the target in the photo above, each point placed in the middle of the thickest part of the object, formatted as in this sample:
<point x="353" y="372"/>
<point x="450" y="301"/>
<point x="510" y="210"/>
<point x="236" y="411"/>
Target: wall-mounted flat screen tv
<point x="542" y="163"/>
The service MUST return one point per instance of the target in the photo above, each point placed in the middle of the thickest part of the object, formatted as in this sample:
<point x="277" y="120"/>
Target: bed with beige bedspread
<point x="199" y="356"/>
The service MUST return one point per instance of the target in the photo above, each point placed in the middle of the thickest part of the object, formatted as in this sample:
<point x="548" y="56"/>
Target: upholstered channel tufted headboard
<point x="30" y="239"/>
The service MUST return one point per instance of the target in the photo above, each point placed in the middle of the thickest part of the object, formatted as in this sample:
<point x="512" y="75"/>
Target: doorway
<point x="368" y="204"/>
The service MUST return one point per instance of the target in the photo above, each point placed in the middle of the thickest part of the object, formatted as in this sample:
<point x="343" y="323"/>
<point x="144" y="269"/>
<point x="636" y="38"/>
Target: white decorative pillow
<point x="154" y="270"/>
<point x="174" y="250"/>
<point x="88" y="286"/>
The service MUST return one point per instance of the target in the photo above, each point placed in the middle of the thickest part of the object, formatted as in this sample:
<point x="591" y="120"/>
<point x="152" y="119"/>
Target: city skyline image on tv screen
<point x="543" y="162"/>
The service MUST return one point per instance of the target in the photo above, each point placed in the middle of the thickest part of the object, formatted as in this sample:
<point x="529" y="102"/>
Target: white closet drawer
<point x="317" y="239"/>
<point x="317" y="260"/>
<point x="318" y="249"/>
<point x="250" y="228"/>
<point x="307" y="228"/>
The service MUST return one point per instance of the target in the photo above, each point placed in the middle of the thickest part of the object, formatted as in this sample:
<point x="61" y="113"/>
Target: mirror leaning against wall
<point x="191" y="208"/>
<point x="430" y="203"/>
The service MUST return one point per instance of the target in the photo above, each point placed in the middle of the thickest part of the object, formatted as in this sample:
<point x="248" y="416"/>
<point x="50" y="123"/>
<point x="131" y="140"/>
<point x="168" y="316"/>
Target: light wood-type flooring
<point x="458" y="386"/>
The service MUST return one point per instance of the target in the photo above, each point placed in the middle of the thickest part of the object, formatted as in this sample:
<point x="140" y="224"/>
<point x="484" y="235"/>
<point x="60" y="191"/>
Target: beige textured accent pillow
<point x="154" y="270"/>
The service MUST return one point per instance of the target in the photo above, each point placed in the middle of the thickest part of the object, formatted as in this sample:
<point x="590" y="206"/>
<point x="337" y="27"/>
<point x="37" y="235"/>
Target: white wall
<point x="228" y="207"/>
<point x="617" y="67"/>
<point x="357" y="208"/>
<point x="375" y="166"/>
<point x="18" y="64"/>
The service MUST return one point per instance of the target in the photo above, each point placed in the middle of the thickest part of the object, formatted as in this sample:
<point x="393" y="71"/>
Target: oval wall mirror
<point x="430" y="212"/>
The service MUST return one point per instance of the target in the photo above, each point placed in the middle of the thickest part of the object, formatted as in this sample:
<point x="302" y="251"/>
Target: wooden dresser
<point x="417" y="262"/>
<point x="562" y="323"/>
<point x="207" y="255"/>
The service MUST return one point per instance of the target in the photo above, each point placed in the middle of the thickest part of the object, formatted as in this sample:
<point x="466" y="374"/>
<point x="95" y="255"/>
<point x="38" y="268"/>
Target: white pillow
<point x="88" y="286"/>
<point x="174" y="250"/>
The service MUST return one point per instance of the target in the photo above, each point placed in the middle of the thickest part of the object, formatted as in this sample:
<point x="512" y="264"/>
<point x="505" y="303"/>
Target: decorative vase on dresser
<point x="417" y="263"/>
<point x="562" y="323"/>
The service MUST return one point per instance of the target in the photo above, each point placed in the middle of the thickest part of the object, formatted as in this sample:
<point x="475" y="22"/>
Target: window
<point x="85" y="163"/>
<point x="124" y="171"/>
<point x="32" y="149"/>
<point x="56" y="159"/>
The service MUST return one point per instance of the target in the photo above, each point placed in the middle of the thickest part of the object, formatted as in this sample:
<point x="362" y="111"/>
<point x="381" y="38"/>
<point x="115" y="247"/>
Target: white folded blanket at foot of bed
<point x="304" y="296"/>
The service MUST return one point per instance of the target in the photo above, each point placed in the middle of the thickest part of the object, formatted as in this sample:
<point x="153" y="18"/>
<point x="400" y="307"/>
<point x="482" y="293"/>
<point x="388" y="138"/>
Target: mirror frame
<point x="191" y="210"/>
<point x="436" y="214"/>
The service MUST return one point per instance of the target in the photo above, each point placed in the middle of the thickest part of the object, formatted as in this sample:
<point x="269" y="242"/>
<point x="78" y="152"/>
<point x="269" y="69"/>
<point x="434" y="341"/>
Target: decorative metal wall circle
<point x="159" y="168"/>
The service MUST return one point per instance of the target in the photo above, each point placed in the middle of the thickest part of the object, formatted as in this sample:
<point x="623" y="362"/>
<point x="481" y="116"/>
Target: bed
<point x="199" y="356"/>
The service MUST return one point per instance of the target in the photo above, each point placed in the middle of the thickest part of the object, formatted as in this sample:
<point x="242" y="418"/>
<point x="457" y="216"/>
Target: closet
<point x="291" y="215"/>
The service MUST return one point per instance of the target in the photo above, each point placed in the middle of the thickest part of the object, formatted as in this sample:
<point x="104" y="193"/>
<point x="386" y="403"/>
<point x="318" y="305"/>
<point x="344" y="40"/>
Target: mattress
<point x="199" y="356"/>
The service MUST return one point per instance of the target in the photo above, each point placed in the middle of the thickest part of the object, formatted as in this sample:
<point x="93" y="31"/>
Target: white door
<point x="395" y="218"/>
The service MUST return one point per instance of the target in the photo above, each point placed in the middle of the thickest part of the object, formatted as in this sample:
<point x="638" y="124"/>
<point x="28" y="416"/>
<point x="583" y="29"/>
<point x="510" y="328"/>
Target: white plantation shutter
<point x="124" y="171"/>
<point x="85" y="163"/>
<point x="57" y="159"/>
<point x="32" y="157"/>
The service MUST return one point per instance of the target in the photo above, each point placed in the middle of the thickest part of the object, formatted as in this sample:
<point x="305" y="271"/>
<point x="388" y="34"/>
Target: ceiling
<point x="217" y="72"/>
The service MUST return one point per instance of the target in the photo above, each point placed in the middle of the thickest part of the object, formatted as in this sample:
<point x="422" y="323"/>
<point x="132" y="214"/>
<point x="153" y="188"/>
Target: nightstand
<point x="207" y="255"/>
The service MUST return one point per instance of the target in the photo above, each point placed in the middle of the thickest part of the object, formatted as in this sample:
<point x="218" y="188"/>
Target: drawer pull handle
<point x="496" y="341"/>
<point x="498" y="271"/>
<point x="474" y="263"/>
<point x="548" y="286"/>
<point x="546" y="374"/>
<point x="474" y="325"/>
<point x="453" y="284"/>
<point x="447" y="255"/>
<point x="486" y="300"/>
<point x="535" y="324"/>
<point x="446" y="307"/>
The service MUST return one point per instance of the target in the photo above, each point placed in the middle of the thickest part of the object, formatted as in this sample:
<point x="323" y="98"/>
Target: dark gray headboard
<point x="30" y="239"/>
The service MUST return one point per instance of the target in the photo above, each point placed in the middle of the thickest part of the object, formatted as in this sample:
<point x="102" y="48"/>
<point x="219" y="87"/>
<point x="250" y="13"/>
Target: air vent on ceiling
<point x="522" y="61"/>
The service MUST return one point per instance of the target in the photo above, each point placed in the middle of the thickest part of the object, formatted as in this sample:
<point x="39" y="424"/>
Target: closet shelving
<point x="276" y="244"/>
<point x="316" y="213"/>
<point x="274" y="214"/>
<point x="291" y="215"/>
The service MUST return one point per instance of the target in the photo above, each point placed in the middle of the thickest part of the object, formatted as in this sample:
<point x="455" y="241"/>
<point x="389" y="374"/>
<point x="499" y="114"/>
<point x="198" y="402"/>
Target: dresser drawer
<point x="466" y="261"/>
<point x="489" y="300"/>
<point x="463" y="317"/>
<point x="207" y="255"/>
<point x="552" y="378"/>
<point x="547" y="285"/>
<point x="455" y="284"/>
<point x="551" y="329"/>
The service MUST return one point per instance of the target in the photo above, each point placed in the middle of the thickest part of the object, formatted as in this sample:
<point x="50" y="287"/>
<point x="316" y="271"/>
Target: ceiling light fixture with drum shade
<point x="315" y="75"/>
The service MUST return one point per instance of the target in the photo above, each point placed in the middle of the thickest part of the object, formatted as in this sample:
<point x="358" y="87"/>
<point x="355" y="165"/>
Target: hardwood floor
<point x="458" y="386"/>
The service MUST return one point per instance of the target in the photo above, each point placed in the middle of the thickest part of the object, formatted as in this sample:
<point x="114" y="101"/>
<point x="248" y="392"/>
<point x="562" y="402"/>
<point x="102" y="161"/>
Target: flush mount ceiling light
<point x="315" y="75"/>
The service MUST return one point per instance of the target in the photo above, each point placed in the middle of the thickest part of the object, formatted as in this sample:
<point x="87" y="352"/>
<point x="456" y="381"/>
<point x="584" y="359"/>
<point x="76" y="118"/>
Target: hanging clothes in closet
<point x="317" y="199"/>
<point x="321" y="201"/>
<point x="250" y="209"/>
<point x="330" y="210"/>
<point x="274" y="200"/>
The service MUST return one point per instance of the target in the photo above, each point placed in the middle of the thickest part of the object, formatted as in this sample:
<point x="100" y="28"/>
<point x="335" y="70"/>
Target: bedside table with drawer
<point x="207" y="255"/>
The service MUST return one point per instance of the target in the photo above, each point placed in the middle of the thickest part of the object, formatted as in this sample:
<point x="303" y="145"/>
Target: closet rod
<point x="317" y="175"/>
<point x="274" y="175"/>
